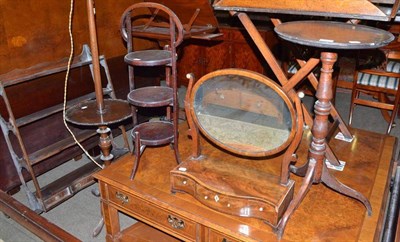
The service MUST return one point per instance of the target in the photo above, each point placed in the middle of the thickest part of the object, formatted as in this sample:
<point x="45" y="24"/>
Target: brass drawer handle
<point x="176" y="222"/>
<point x="122" y="197"/>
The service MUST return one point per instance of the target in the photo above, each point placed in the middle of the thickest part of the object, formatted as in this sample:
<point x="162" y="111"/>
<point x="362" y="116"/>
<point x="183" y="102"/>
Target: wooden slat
<point x="56" y="147"/>
<point x="33" y="222"/>
<point x="44" y="69"/>
<point x="374" y="104"/>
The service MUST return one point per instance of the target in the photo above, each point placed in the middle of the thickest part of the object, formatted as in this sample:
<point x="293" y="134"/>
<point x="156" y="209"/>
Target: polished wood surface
<point x="141" y="232"/>
<point x="358" y="9"/>
<point x="233" y="189"/>
<point x="324" y="215"/>
<point x="86" y="113"/>
<point x="335" y="35"/>
<point x="32" y="32"/>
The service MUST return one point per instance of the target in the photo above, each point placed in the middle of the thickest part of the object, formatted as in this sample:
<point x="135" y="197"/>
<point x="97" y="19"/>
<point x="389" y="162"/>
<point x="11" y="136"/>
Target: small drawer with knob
<point x="182" y="184"/>
<point x="153" y="215"/>
<point x="215" y="236"/>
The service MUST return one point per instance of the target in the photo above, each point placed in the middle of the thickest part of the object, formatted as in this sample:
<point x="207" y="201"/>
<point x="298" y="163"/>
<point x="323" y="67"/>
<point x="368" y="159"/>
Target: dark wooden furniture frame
<point x="383" y="102"/>
<point x="315" y="171"/>
<point x="33" y="222"/>
<point x="45" y="198"/>
<point x="197" y="18"/>
<point x="184" y="181"/>
<point x="289" y="84"/>
<point x="323" y="215"/>
<point x="161" y="24"/>
<point x="358" y="10"/>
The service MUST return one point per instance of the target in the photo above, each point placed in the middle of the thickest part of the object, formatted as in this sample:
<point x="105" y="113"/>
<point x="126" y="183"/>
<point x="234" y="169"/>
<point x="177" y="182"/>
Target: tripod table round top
<point x="333" y="35"/>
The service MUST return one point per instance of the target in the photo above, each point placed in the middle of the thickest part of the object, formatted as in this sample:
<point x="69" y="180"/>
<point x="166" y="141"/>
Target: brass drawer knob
<point x="175" y="222"/>
<point x="122" y="197"/>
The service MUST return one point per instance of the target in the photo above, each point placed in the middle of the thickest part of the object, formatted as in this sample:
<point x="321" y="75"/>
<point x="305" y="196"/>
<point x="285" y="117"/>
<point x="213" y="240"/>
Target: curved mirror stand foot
<point x="336" y="185"/>
<point x="299" y="170"/>
<point x="305" y="186"/>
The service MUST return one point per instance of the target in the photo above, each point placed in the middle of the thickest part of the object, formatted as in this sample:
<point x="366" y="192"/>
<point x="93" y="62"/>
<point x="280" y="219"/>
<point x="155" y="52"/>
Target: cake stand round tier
<point x="154" y="96"/>
<point x="154" y="133"/>
<point x="149" y="58"/>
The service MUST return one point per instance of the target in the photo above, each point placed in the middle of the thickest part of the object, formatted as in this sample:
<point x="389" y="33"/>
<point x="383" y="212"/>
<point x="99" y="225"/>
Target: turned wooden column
<point x="322" y="110"/>
<point x="105" y="145"/>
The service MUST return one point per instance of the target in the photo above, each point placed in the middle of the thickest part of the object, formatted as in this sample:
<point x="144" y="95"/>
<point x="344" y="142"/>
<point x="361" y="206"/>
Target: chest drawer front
<point x="218" y="237"/>
<point x="153" y="215"/>
<point x="233" y="204"/>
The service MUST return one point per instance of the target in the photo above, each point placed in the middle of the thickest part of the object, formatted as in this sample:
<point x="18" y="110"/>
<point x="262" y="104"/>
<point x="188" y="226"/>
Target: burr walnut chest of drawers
<point x="165" y="216"/>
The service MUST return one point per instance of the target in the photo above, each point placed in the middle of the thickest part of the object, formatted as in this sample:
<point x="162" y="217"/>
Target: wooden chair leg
<point x="394" y="112"/>
<point x="385" y="113"/>
<point x="354" y="95"/>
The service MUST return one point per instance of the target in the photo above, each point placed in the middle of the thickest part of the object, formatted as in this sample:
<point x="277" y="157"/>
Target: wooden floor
<point x="324" y="215"/>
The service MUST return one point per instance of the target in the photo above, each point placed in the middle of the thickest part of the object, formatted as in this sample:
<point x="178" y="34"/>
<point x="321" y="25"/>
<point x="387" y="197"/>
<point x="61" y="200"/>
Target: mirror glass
<point x="242" y="114"/>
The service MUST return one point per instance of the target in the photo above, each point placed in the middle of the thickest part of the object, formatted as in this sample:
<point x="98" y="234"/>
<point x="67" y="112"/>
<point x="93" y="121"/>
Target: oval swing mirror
<point x="243" y="112"/>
